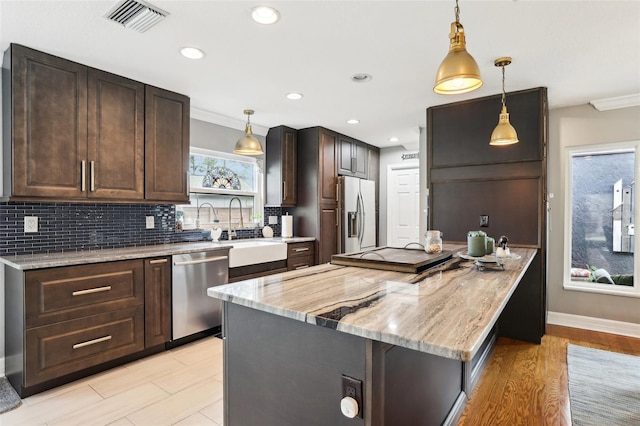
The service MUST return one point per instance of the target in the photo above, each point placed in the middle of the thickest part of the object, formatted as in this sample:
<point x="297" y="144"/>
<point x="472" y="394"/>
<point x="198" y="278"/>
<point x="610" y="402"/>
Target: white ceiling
<point x="580" y="50"/>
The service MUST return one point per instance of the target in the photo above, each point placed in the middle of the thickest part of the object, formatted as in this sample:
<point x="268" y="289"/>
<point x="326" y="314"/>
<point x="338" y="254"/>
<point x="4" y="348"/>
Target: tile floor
<point x="182" y="386"/>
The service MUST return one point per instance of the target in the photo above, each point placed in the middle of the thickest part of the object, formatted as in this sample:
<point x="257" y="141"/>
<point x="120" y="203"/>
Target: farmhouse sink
<point x="252" y="252"/>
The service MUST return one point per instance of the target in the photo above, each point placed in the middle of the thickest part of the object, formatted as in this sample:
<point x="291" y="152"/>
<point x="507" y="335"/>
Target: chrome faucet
<point x="232" y="233"/>
<point x="198" y="213"/>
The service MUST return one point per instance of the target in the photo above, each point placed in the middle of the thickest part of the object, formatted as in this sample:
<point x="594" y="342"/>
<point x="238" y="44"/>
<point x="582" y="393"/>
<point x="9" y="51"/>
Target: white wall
<point x="583" y="125"/>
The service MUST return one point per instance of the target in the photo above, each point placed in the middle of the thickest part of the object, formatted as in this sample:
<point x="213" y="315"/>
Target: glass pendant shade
<point x="458" y="72"/>
<point x="504" y="133"/>
<point x="248" y="144"/>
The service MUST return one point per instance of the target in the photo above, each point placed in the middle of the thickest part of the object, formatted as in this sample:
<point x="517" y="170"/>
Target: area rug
<point x="9" y="399"/>
<point x="604" y="387"/>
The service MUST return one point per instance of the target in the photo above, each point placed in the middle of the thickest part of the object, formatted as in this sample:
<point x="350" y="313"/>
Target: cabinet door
<point x="327" y="168"/>
<point x="166" y="145"/>
<point x="116" y="136"/>
<point x="157" y="301"/>
<point x="328" y="241"/>
<point x="289" y="168"/>
<point x="360" y="160"/>
<point x="344" y="153"/>
<point x="49" y="111"/>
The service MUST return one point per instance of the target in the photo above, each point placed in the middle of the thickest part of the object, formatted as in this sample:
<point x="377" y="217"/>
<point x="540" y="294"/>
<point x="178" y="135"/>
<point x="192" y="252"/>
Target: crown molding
<point x="223" y="120"/>
<point x="617" y="102"/>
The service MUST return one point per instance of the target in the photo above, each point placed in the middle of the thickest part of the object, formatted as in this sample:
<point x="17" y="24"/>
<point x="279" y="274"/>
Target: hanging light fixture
<point x="504" y="133"/>
<point x="458" y="72"/>
<point x="248" y="144"/>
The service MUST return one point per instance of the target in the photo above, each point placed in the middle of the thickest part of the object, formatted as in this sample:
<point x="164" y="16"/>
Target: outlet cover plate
<point x="150" y="222"/>
<point x="31" y="224"/>
<point x="353" y="388"/>
<point x="273" y="220"/>
<point x="484" y="220"/>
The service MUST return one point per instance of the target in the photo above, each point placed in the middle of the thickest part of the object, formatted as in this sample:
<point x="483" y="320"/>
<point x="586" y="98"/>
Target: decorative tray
<point x="490" y="261"/>
<point x="392" y="259"/>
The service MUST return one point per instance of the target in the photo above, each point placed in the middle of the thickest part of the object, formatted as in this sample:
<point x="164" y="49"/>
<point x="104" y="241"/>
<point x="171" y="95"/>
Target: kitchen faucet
<point x="232" y="233"/>
<point x="198" y="213"/>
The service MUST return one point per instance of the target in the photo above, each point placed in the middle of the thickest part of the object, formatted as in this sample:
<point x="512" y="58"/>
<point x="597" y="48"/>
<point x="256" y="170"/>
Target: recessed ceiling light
<point x="361" y="78"/>
<point x="265" y="15"/>
<point x="294" y="96"/>
<point x="353" y="121"/>
<point x="393" y="139"/>
<point x="192" y="52"/>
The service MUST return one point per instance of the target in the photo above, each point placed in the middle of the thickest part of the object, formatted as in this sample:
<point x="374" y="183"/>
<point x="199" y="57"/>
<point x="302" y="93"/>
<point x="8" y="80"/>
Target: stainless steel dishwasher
<point x="192" y="310"/>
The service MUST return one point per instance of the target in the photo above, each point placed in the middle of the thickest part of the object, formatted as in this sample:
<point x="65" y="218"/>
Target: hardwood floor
<point x="526" y="384"/>
<point x="523" y="384"/>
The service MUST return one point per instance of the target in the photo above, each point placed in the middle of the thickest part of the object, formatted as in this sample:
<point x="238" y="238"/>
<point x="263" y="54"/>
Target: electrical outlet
<point x="353" y="388"/>
<point x="31" y="224"/>
<point x="484" y="220"/>
<point x="273" y="220"/>
<point x="150" y="222"/>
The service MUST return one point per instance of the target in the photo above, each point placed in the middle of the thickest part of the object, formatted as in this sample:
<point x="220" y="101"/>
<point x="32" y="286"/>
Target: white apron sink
<point x="253" y="252"/>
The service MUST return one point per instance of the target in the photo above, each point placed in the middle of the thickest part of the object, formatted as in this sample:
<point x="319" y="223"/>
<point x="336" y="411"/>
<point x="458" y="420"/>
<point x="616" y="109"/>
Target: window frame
<point x="587" y="286"/>
<point x="258" y="195"/>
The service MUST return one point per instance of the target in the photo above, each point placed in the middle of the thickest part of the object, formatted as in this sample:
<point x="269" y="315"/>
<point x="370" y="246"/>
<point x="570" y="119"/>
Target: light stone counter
<point x="71" y="258"/>
<point x="446" y="311"/>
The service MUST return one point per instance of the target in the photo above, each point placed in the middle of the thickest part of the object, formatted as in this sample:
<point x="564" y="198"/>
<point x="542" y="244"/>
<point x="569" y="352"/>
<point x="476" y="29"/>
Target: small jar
<point x="433" y="242"/>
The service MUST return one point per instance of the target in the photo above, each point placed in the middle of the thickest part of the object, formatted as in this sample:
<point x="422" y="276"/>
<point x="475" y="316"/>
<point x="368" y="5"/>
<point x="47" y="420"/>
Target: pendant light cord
<point x="457" y="10"/>
<point x="503" y="94"/>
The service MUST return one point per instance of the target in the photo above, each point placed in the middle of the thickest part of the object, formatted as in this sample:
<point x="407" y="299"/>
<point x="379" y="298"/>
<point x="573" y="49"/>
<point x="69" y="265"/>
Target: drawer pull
<point x="91" y="290"/>
<point x="91" y="342"/>
<point x="155" y="262"/>
<point x="302" y="267"/>
<point x="301" y="249"/>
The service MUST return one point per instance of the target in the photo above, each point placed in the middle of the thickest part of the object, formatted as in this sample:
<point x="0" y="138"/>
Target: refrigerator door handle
<point x="360" y="220"/>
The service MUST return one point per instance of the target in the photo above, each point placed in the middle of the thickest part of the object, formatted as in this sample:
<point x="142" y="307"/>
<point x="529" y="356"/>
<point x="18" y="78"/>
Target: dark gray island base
<point x="417" y="342"/>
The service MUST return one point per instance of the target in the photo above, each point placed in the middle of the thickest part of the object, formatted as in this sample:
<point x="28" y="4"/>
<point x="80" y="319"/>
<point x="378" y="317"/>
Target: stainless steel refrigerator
<point x="357" y="210"/>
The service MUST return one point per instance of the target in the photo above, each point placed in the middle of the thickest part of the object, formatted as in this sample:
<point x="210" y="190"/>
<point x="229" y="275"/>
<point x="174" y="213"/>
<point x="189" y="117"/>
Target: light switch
<point x="150" y="222"/>
<point x="273" y="220"/>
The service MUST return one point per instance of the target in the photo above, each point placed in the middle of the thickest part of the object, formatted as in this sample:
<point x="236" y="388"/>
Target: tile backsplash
<point x="92" y="226"/>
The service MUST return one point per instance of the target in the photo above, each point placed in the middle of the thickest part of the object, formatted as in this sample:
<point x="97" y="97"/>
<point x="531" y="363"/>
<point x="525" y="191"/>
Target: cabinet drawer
<point x="55" y="350"/>
<point x="62" y="294"/>
<point x="300" y="249"/>
<point x="299" y="262"/>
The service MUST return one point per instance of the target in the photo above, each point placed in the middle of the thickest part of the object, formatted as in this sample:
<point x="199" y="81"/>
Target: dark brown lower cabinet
<point x="157" y="301"/>
<point x="65" y="323"/>
<point x="300" y="255"/>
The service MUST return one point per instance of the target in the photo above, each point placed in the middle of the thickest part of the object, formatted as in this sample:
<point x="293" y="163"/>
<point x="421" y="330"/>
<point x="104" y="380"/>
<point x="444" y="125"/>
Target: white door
<point x="403" y="205"/>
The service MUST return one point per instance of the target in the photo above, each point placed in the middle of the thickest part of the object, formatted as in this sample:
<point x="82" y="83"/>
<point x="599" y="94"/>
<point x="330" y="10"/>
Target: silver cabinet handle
<point x="337" y="192"/>
<point x="91" y="342"/>
<point x="91" y="290"/>
<point x="301" y="267"/>
<point x="196" y="261"/>
<point x="92" y="173"/>
<point x="155" y="262"/>
<point x="83" y="172"/>
<point x="301" y="249"/>
<point x="284" y="190"/>
<point x="187" y="184"/>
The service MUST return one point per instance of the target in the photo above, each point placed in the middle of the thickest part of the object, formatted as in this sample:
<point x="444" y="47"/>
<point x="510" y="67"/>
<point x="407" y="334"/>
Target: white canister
<point x="287" y="226"/>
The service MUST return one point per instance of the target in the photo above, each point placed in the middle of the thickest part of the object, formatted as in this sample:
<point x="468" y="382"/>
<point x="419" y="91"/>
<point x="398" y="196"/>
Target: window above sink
<point x="215" y="178"/>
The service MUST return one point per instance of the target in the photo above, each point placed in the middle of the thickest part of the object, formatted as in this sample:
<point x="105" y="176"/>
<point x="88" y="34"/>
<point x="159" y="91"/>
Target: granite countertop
<point x="446" y="311"/>
<point x="71" y="258"/>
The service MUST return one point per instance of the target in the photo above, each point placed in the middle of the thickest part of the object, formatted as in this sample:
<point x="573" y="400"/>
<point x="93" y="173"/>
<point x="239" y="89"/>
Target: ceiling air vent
<point x="136" y="15"/>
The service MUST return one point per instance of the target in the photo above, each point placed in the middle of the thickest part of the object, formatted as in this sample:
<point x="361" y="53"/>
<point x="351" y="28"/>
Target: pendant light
<point x="248" y="144"/>
<point x="504" y="133"/>
<point x="458" y="72"/>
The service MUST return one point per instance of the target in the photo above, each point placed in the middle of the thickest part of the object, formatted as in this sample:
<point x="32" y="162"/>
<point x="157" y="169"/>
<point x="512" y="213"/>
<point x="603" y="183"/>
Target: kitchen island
<point x="407" y="347"/>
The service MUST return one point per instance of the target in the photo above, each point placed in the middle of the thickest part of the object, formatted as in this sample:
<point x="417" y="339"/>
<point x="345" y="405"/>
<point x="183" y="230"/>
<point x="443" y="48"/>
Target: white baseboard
<point x="595" y="324"/>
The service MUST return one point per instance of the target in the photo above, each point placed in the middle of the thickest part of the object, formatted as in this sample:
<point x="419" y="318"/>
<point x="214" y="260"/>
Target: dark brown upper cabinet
<point x="45" y="125"/>
<point x="74" y="133"/>
<point x="116" y="137"/>
<point x="167" y="145"/>
<point x="282" y="167"/>
<point x="353" y="157"/>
